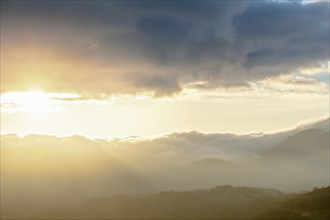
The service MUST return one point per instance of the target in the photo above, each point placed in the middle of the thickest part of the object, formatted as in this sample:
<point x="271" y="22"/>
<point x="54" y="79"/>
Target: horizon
<point x="149" y="69"/>
<point x="100" y="98"/>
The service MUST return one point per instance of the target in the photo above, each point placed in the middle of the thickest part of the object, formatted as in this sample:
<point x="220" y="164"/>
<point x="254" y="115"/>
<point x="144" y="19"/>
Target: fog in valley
<point x="40" y="172"/>
<point x="165" y="109"/>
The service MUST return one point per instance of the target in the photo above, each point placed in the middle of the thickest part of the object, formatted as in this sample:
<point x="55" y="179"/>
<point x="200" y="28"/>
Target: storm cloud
<point x="144" y="46"/>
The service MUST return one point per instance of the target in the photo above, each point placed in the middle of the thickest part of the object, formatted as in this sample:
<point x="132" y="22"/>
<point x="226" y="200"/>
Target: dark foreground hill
<point x="314" y="205"/>
<point x="222" y="202"/>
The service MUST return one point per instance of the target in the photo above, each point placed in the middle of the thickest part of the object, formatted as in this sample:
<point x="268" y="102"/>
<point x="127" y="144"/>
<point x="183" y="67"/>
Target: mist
<point x="39" y="172"/>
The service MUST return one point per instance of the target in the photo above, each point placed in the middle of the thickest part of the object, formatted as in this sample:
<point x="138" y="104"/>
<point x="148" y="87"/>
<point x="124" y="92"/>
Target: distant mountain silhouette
<point x="307" y="142"/>
<point x="211" y="163"/>
<point x="40" y="173"/>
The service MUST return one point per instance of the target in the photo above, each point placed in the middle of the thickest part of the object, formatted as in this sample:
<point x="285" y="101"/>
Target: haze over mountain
<point x="216" y="203"/>
<point x="220" y="202"/>
<point x="100" y="98"/>
<point x="63" y="170"/>
<point x="307" y="142"/>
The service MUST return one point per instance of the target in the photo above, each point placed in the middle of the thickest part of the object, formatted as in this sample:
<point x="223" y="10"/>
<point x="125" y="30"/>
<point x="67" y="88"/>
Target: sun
<point x="29" y="101"/>
<point x="35" y="100"/>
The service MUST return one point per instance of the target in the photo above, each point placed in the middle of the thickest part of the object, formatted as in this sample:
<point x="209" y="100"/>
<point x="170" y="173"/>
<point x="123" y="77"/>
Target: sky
<point x="148" y="68"/>
<point x="137" y="96"/>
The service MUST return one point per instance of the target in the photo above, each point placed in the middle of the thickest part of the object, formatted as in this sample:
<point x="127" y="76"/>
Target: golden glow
<point x="65" y="113"/>
<point x="32" y="101"/>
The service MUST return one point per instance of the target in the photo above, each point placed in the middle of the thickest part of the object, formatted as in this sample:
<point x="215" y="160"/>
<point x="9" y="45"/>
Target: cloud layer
<point x="40" y="171"/>
<point x="129" y="47"/>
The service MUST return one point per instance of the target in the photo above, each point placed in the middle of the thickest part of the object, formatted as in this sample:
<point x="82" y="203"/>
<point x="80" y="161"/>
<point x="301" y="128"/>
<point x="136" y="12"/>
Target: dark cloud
<point x="262" y="20"/>
<point x="283" y="36"/>
<point x="165" y="84"/>
<point x="165" y="44"/>
<point x="259" y="57"/>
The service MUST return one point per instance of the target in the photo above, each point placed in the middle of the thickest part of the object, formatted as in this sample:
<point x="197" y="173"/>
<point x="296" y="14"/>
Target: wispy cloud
<point x="36" y="101"/>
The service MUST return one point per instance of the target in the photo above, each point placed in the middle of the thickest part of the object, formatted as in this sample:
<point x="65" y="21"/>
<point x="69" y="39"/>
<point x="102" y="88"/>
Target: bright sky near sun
<point x="118" y="68"/>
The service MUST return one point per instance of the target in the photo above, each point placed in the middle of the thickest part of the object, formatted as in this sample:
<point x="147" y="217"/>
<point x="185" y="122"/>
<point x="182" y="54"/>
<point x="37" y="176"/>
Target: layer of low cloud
<point x="42" y="171"/>
<point x="130" y="47"/>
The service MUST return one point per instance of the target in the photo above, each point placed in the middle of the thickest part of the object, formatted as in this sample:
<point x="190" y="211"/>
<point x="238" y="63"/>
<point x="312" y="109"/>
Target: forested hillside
<point x="314" y="205"/>
<point x="222" y="202"/>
